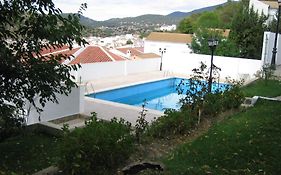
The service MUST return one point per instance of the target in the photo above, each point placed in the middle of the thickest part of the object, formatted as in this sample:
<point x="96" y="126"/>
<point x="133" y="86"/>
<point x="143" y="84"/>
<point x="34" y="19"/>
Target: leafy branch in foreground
<point x="27" y="76"/>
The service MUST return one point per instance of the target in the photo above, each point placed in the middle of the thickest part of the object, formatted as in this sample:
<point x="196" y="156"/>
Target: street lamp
<point x="212" y="44"/>
<point x="274" y="51"/>
<point x="162" y="51"/>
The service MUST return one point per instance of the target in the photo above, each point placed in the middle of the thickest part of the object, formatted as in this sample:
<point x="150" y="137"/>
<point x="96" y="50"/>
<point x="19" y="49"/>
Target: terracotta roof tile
<point x="116" y="57"/>
<point x="92" y="54"/>
<point x="170" y="37"/>
<point x="148" y="55"/>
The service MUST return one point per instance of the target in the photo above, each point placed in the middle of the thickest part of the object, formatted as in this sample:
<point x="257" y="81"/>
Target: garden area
<point x="216" y="136"/>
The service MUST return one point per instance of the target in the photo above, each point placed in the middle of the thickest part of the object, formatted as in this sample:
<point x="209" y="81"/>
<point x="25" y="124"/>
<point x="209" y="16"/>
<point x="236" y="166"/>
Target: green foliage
<point x="213" y="104"/>
<point x="129" y="42"/>
<point x="208" y="20"/>
<point x="226" y="47"/>
<point x="247" y="30"/>
<point x="28" y="153"/>
<point x="260" y="87"/>
<point x="9" y="126"/>
<point x="246" y="36"/>
<point x="201" y="103"/>
<point x="99" y="148"/>
<point x="171" y="124"/>
<point x="219" y="18"/>
<point x="247" y="143"/>
<point x="28" y="27"/>
<point x="141" y="124"/>
<point x="186" y="26"/>
<point x="233" y="96"/>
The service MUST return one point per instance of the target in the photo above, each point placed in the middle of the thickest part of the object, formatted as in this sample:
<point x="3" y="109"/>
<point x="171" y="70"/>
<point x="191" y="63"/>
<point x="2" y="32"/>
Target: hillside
<point x="172" y="18"/>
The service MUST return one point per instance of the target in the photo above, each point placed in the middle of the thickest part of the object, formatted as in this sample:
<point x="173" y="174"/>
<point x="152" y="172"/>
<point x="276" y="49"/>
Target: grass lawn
<point x="28" y="153"/>
<point x="246" y="143"/>
<point x="271" y="88"/>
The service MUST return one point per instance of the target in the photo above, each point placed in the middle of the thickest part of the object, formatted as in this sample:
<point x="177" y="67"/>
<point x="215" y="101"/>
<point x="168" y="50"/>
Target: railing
<point x="92" y="88"/>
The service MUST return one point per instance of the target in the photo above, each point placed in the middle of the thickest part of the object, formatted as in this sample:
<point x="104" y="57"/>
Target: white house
<point x="172" y="42"/>
<point x="268" y="8"/>
<point x="168" y="27"/>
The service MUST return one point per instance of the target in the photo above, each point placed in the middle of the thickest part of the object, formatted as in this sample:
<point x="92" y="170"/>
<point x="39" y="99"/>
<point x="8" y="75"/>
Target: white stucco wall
<point x="153" y="47"/>
<point x="268" y="44"/>
<point x="236" y="68"/>
<point x="263" y="8"/>
<point x="68" y="105"/>
<point x="93" y="71"/>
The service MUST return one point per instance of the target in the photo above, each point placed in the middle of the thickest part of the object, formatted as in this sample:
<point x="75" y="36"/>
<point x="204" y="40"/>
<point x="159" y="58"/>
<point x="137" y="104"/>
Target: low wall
<point x="114" y="69"/>
<point x="68" y="105"/>
<point x="236" y="68"/>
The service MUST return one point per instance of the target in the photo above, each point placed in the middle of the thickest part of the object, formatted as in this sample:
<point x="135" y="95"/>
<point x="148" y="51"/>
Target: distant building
<point x="224" y="32"/>
<point x="175" y="42"/>
<point x="168" y="28"/>
<point x="268" y="8"/>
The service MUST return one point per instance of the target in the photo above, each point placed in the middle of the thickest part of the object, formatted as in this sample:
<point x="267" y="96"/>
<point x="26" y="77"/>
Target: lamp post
<point x="212" y="44"/>
<point x="162" y="51"/>
<point x="274" y="51"/>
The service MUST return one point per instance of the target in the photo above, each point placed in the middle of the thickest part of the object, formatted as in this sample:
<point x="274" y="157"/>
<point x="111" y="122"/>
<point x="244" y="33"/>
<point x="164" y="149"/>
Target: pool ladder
<point x="168" y="73"/>
<point x="92" y="89"/>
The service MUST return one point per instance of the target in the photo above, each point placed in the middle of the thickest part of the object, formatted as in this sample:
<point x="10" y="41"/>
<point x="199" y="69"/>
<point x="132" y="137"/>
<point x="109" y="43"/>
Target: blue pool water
<point x="159" y="95"/>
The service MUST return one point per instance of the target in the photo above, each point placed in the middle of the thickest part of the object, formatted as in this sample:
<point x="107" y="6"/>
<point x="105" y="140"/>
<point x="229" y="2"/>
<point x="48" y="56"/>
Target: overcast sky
<point x="106" y="9"/>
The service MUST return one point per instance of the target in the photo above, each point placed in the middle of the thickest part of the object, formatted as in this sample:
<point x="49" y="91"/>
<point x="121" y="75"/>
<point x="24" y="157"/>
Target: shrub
<point x="99" y="148"/>
<point x="233" y="96"/>
<point x="9" y="125"/>
<point x="172" y="123"/>
<point x="213" y="104"/>
<point x="141" y="123"/>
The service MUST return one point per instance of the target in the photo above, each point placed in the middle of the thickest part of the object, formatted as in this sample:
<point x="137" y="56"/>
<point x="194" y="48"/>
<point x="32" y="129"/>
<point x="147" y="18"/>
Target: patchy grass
<point x="269" y="88"/>
<point x="28" y="153"/>
<point x="247" y="143"/>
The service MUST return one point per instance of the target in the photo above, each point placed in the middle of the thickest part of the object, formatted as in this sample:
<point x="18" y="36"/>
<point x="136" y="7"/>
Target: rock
<point x="138" y="167"/>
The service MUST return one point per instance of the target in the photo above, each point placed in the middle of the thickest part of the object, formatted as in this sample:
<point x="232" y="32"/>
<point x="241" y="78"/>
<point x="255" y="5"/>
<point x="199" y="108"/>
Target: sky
<point x="106" y="9"/>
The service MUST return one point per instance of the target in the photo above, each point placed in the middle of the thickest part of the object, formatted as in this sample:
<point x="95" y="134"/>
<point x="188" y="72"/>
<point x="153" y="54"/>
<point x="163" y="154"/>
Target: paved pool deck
<point x="119" y="81"/>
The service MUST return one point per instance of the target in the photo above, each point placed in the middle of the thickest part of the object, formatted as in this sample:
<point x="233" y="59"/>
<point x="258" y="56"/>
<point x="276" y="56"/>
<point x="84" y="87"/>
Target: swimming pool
<point x="159" y="95"/>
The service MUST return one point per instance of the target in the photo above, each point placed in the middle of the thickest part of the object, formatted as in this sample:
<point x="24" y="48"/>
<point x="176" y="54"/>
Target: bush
<point x="213" y="104"/>
<point x="233" y="97"/>
<point x="172" y="123"/>
<point x="99" y="148"/>
<point x="10" y="125"/>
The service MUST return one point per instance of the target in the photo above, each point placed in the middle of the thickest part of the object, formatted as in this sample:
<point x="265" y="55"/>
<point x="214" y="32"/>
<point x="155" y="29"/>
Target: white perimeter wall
<point x="180" y="63"/>
<point x="113" y="69"/>
<point x="68" y="105"/>
<point x="268" y="44"/>
<point x="236" y="68"/>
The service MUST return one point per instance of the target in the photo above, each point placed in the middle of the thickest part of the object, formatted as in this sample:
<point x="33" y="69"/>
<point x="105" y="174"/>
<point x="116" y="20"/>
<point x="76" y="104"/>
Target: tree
<point x="247" y="31"/>
<point x="129" y="42"/>
<point x="28" y="27"/>
<point x="226" y="46"/>
<point x="209" y="20"/>
<point x="186" y="26"/>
